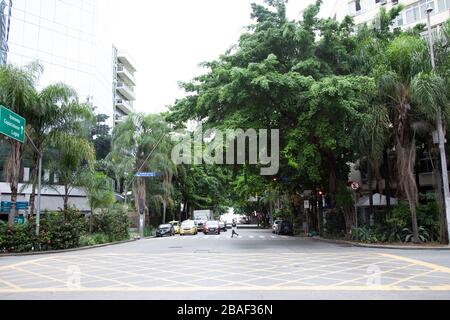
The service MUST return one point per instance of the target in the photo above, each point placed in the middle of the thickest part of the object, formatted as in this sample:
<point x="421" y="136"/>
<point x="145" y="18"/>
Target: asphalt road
<point x="255" y="266"/>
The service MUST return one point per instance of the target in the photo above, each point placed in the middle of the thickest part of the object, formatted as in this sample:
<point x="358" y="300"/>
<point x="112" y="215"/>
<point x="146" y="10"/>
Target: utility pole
<point x="440" y="130"/>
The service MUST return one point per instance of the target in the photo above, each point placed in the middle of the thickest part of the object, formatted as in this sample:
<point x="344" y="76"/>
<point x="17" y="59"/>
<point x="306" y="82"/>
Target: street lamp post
<point x="440" y="130"/>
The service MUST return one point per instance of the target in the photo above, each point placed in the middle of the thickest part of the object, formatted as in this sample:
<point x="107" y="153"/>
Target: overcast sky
<point x="168" y="39"/>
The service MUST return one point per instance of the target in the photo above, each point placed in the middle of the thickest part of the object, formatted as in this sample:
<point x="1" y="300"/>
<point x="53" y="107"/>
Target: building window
<point x="398" y="22"/>
<point x="424" y="4"/>
<point x="443" y="5"/>
<point x="412" y="14"/>
<point x="358" y="5"/>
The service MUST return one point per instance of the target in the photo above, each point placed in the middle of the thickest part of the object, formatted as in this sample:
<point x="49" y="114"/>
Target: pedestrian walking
<point x="234" y="229"/>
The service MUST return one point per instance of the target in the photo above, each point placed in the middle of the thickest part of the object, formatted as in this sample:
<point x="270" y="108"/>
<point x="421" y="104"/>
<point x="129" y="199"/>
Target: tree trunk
<point x="406" y="159"/>
<point x="407" y="183"/>
<point x="91" y="221"/>
<point x="369" y="174"/>
<point x="139" y="191"/>
<point x="164" y="211"/>
<point x="13" y="174"/>
<point x="387" y="180"/>
<point x="34" y="175"/>
<point x="320" y="216"/>
<point x="66" y="197"/>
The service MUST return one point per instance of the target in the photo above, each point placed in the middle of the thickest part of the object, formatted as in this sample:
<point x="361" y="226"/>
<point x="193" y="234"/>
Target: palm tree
<point x="74" y="156"/>
<point x="56" y="114"/>
<point x="137" y="138"/>
<point x="99" y="192"/>
<point x="371" y="138"/>
<point x="413" y="91"/>
<point x="17" y="92"/>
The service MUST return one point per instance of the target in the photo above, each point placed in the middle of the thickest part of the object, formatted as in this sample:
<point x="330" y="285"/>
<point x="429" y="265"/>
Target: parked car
<point x="275" y="225"/>
<point x="188" y="227"/>
<point x="165" y="230"/>
<point x="200" y="225"/>
<point x="176" y="226"/>
<point x="212" y="227"/>
<point x="285" y="228"/>
<point x="223" y="226"/>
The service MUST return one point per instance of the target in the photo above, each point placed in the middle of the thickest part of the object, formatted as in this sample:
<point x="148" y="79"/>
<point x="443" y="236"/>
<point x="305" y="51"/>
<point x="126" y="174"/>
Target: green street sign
<point x="12" y="125"/>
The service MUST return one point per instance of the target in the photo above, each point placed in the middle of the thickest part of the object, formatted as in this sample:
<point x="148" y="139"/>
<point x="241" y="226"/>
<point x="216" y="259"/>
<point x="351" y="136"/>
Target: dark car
<point x="212" y="227"/>
<point x="200" y="225"/>
<point x="285" y="228"/>
<point x="165" y="230"/>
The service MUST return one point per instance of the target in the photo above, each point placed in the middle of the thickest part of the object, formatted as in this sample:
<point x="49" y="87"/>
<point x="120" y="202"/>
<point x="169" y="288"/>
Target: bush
<point x="427" y="218"/>
<point x="59" y="230"/>
<point x="149" y="231"/>
<point x="62" y="230"/>
<point x="114" y="223"/>
<point x="94" y="239"/>
<point x="19" y="239"/>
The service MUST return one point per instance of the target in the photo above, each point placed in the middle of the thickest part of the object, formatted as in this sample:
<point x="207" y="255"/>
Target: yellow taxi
<point x="176" y="226"/>
<point x="188" y="227"/>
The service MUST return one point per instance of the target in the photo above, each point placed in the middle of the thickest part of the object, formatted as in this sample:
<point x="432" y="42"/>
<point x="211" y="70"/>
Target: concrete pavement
<point x="257" y="265"/>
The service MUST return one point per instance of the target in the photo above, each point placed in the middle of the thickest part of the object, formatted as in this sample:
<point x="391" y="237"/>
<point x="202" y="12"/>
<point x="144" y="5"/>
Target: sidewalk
<point x="382" y="246"/>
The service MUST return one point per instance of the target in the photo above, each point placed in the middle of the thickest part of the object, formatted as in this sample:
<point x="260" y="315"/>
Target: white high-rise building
<point x="73" y="41"/>
<point x="366" y="11"/>
<point x="124" y="83"/>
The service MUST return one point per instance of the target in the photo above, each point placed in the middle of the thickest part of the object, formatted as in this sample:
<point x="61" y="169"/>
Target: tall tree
<point x="134" y="140"/>
<point x="18" y="93"/>
<point x="56" y="115"/>
<point x="73" y="157"/>
<point x="414" y="92"/>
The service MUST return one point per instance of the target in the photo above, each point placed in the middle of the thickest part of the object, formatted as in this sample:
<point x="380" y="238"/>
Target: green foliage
<point x="65" y="230"/>
<point x="427" y="217"/>
<point x="99" y="189"/>
<point x="94" y="239"/>
<point x="113" y="222"/>
<point x="407" y="235"/>
<point x="149" y="231"/>
<point x="396" y="228"/>
<point x="59" y="230"/>
<point x="62" y="230"/>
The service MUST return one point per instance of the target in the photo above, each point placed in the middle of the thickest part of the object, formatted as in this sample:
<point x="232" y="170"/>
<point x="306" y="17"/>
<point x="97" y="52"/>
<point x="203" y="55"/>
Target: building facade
<point x="366" y="11"/>
<point x="124" y="83"/>
<point x="5" y="19"/>
<point x="73" y="41"/>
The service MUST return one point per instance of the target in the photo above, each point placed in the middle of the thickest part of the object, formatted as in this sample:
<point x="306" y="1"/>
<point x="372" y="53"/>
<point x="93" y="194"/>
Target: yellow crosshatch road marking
<point x="222" y="272"/>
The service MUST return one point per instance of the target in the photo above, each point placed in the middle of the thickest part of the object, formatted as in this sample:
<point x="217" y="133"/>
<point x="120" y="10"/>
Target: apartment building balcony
<point x="119" y="119"/>
<point x="125" y="75"/>
<point x="125" y="106"/>
<point x="125" y="59"/>
<point x="126" y="91"/>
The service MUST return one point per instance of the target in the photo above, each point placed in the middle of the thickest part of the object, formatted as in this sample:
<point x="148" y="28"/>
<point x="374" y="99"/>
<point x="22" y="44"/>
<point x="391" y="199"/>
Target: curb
<point x="38" y="253"/>
<point x="380" y="246"/>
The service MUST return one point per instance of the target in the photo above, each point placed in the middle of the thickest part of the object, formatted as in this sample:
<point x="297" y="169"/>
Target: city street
<point x="257" y="265"/>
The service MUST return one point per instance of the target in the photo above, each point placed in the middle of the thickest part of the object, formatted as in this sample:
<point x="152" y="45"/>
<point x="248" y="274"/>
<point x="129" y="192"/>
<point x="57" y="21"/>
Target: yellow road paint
<point x="432" y="266"/>
<point x="252" y="265"/>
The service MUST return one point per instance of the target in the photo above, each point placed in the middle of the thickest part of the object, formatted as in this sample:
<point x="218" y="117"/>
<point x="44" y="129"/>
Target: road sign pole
<point x="38" y="208"/>
<point x="141" y="217"/>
